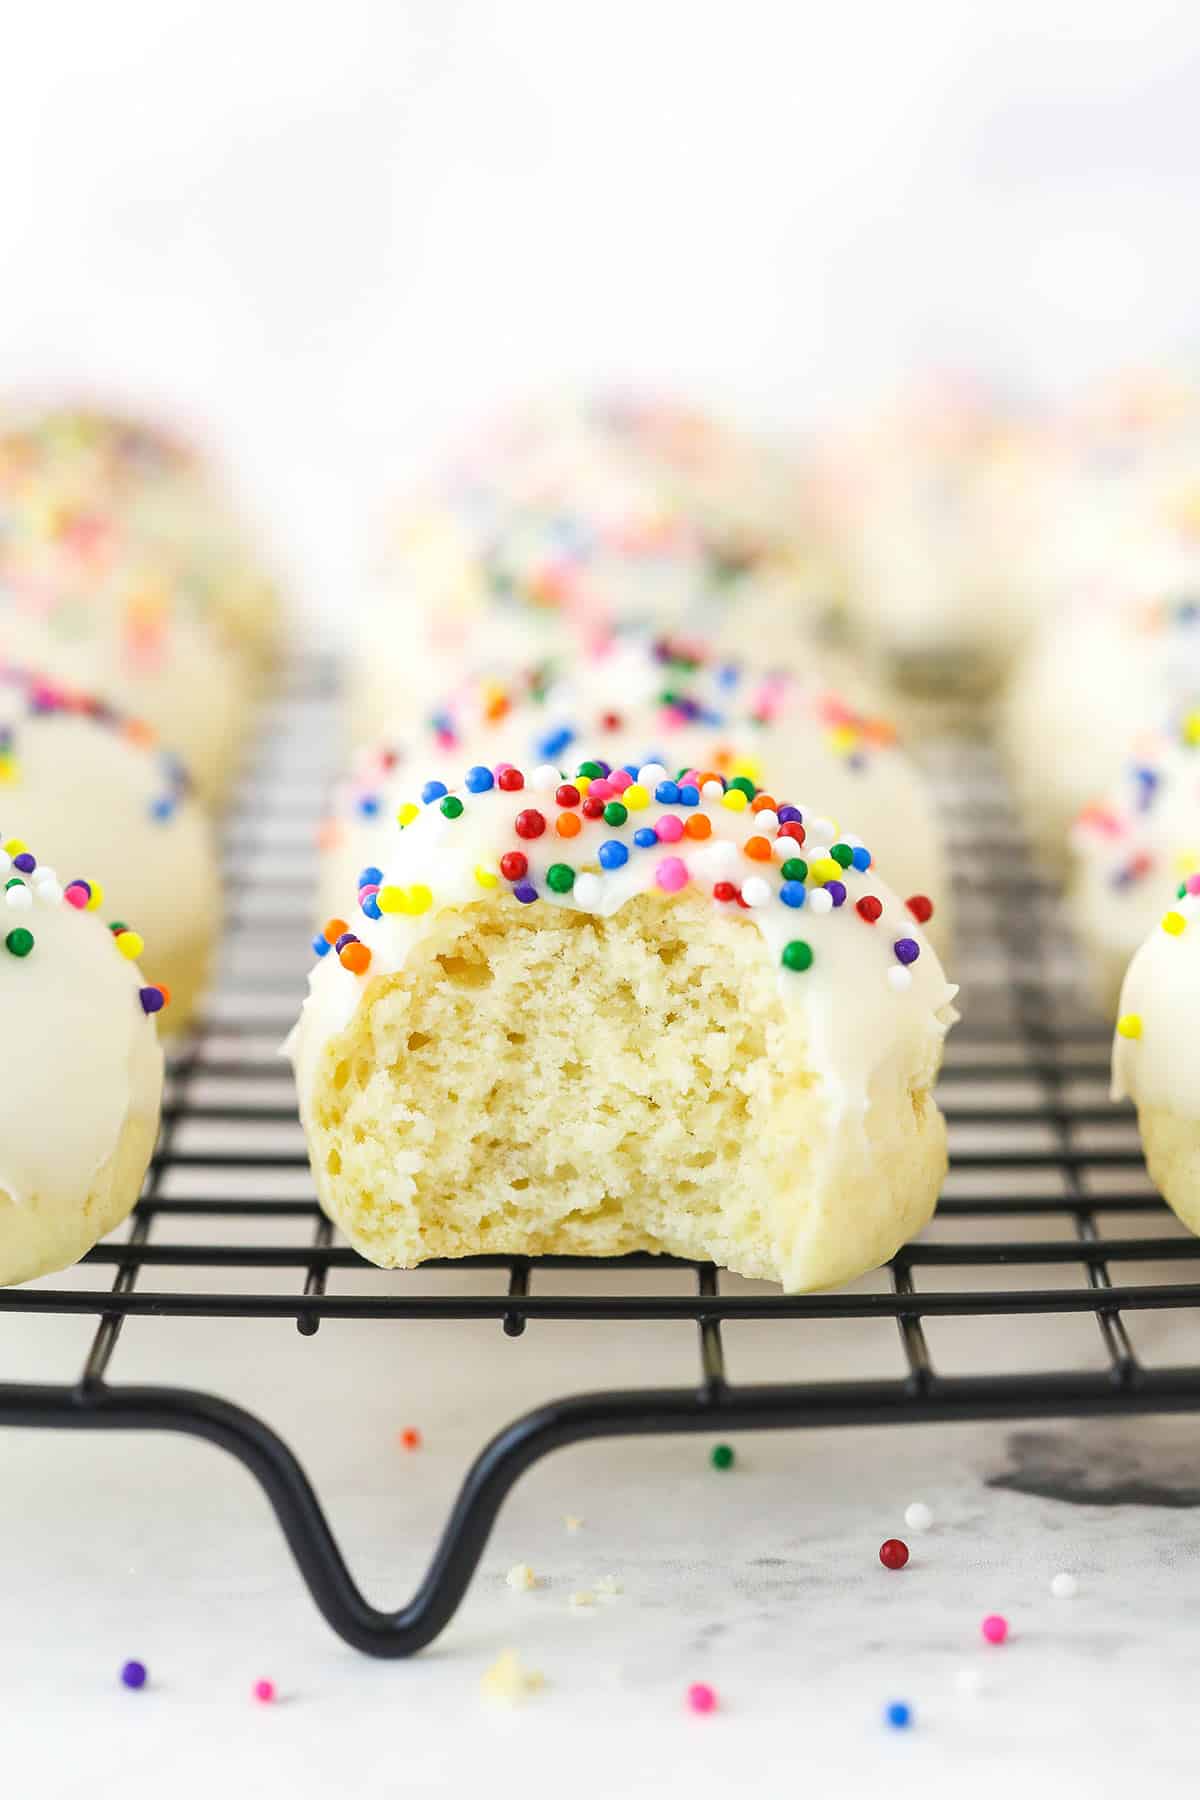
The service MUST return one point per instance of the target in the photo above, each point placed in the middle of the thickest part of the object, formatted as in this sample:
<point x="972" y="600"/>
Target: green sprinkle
<point x="615" y="813"/>
<point x="560" y="877"/>
<point x="592" y="770"/>
<point x="747" y="786"/>
<point x="15" y="882"/>
<point x="1181" y="890"/>
<point x="842" y="854"/>
<point x="721" y="1456"/>
<point x="19" y="942"/>
<point x="797" y="955"/>
<point x="118" y="925"/>
<point x="795" y="869"/>
<point x="452" y="806"/>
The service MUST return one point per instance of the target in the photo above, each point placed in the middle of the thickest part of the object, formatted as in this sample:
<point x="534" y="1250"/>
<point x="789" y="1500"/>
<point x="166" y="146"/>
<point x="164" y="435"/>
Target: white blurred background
<point x="328" y="235"/>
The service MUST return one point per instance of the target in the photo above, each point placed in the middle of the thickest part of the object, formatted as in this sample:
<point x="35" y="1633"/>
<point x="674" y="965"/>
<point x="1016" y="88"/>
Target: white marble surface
<point x="763" y="1581"/>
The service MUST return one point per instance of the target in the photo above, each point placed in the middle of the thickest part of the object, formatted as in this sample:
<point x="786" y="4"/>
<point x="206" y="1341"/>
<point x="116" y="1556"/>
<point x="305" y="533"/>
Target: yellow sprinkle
<point x="1190" y="729"/>
<point x="1186" y="862"/>
<point x="9" y="768"/>
<point x="486" y="878"/>
<point x="824" y="869"/>
<point x="735" y="799"/>
<point x="636" y="797"/>
<point x="842" y="739"/>
<point x="130" y="944"/>
<point x="1174" y="923"/>
<point x="97" y="899"/>
<point x="408" y="812"/>
<point x="390" y="899"/>
<point x="15" y="846"/>
<point x="1129" y="1025"/>
<point x="749" y="766"/>
<point x="583" y="783"/>
<point x="420" y="899"/>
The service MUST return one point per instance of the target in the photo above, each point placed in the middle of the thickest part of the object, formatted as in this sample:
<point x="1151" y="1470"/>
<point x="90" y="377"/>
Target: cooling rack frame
<point x="1025" y="1023"/>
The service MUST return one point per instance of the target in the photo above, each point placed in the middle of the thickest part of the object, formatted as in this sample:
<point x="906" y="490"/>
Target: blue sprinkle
<point x="861" y="859"/>
<point x="321" y="945"/>
<point x="689" y="795"/>
<point x="667" y="793"/>
<point x="792" y="893"/>
<point x="729" y="675"/>
<point x="554" y="742"/>
<point x="163" y="808"/>
<point x="645" y="837"/>
<point x="479" y="779"/>
<point x="433" y="790"/>
<point x="898" y="1715"/>
<point x="631" y="769"/>
<point x="368" y="806"/>
<point x="371" y="907"/>
<point x="525" y="892"/>
<point x="612" y="854"/>
<point x="370" y="877"/>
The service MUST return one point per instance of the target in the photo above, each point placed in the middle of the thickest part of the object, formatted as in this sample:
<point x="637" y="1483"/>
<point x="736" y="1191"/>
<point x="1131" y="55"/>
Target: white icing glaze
<point x="856" y="1018"/>
<point x="1161" y="992"/>
<point x="84" y="1057"/>
<point x="637" y="700"/>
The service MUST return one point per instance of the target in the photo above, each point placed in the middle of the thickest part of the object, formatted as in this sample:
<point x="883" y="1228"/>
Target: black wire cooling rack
<point x="1037" y="1145"/>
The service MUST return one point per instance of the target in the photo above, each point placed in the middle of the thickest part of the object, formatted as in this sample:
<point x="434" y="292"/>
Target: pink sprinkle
<point x="619" y="780"/>
<point x="671" y="874"/>
<point x="372" y="887"/>
<point x="601" y="789"/>
<point x="702" y="1698"/>
<point x="669" y="829"/>
<point x="264" y="1691"/>
<point x="77" y="895"/>
<point x="1193" y="884"/>
<point x="995" y="1628"/>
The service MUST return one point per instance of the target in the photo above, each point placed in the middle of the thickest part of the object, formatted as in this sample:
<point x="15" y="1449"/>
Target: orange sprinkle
<point x="329" y="834"/>
<point x="763" y="803"/>
<point x="497" y="708"/>
<point x="567" y="824"/>
<point x="759" y="848"/>
<point x="334" y="929"/>
<point x="708" y="775"/>
<point x="165" y="991"/>
<point x="723" y="755"/>
<point x="697" y="826"/>
<point x="356" y="958"/>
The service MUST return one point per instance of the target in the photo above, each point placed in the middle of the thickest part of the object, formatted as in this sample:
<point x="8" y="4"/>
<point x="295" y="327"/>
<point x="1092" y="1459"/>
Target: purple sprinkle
<point x="26" y="863"/>
<point x="151" y="999"/>
<point x="133" y="1674"/>
<point x="790" y="815"/>
<point x="907" y="950"/>
<point x="347" y="937"/>
<point x="525" y="892"/>
<point x="836" y="891"/>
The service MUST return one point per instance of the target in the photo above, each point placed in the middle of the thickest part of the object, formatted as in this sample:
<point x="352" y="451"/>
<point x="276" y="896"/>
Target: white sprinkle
<point x="44" y="873"/>
<point x="821" y="828"/>
<point x="5" y="862"/>
<point x="545" y="778"/>
<point x="521" y="1578"/>
<point x="584" y="1597"/>
<point x="650" y="774"/>
<point x="48" y="893"/>
<point x="755" y="891"/>
<point x="969" y="1681"/>
<point x="572" y="1523"/>
<point x="899" y="978"/>
<point x="587" y="890"/>
<point x="712" y="790"/>
<point x="784" y="847"/>
<point x="918" y="1516"/>
<point x="766" y="821"/>
<point x="19" y="898"/>
<point x="1064" y="1586"/>
<point x="820" y="900"/>
<point x="814" y="851"/>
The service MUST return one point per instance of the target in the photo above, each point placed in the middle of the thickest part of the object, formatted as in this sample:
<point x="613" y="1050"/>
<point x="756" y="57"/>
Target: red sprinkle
<point x="530" y="823"/>
<point x="921" y="908"/>
<point x="568" y="794"/>
<point x="868" y="908"/>
<point x="510" y="780"/>
<point x="793" y="830"/>
<point x="410" y="1438"/>
<point x="593" y="808"/>
<point x="893" y="1554"/>
<point x="724" y="890"/>
<point x="514" y="865"/>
